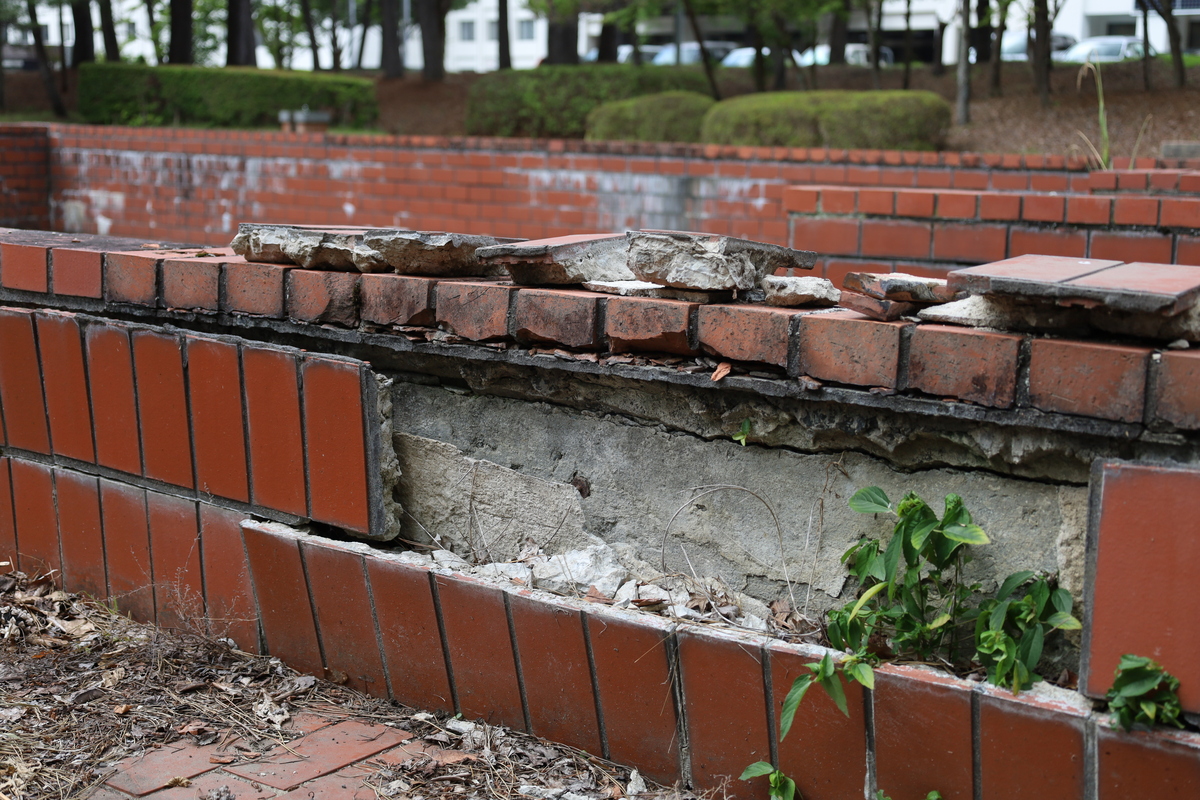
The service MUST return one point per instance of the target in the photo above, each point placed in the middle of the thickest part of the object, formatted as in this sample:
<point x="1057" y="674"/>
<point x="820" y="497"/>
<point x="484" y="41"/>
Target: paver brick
<point x="320" y="753"/>
<point x="846" y="347"/>
<point x="36" y="517"/>
<point x="648" y="324"/>
<point x="745" y="332"/>
<point x="281" y="591"/>
<point x="175" y="560"/>
<point x="272" y="393"/>
<point x="157" y="767"/>
<point x="557" y="316"/>
<point x="127" y="548"/>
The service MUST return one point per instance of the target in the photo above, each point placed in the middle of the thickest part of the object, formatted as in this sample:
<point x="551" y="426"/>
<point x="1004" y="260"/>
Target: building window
<point x="466" y="31"/>
<point x="130" y="30"/>
<point x="525" y="30"/>
<point x="493" y="30"/>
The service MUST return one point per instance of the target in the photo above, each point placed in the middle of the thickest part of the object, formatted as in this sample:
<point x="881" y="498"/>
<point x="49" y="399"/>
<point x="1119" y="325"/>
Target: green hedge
<point x="892" y="120"/>
<point x="135" y="94"/>
<point x="665" y="117"/>
<point x="554" y="102"/>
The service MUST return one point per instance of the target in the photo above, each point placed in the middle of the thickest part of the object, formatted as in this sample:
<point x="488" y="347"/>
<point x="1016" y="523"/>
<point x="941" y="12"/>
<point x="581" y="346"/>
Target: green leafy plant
<point x="1144" y="692"/>
<point x="780" y="784"/>
<point x="1010" y="631"/>
<point x="743" y="433"/>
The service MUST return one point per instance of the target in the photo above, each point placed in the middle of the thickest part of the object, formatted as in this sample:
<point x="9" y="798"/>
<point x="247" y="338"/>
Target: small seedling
<point x="780" y="785"/>
<point x="1144" y="692"/>
<point x="1010" y="631"/>
<point x="743" y="432"/>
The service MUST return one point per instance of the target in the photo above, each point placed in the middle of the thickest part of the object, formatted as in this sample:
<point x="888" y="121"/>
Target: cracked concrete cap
<point x="311" y="248"/>
<point x="645" y="289"/>
<point x="899" y="287"/>
<point x="708" y="262"/>
<point x="792" y="292"/>
<point x="563" y="260"/>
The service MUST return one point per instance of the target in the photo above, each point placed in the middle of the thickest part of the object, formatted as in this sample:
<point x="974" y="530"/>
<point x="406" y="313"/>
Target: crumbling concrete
<point x="899" y="287"/>
<point x="563" y="260"/>
<point x="790" y="292"/>
<point x="708" y="262"/>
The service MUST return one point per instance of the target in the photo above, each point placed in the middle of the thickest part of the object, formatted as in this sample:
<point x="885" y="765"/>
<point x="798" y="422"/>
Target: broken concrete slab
<point x="789" y="292"/>
<point x="900" y="287"/>
<point x="877" y="308"/>
<point x="571" y="573"/>
<point x="708" y="262"/>
<point x="311" y="248"/>
<point x="563" y="260"/>
<point x="1007" y="314"/>
<point x="647" y="289"/>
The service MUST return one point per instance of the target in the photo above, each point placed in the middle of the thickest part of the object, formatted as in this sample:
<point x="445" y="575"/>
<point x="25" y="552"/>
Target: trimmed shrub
<point x="136" y="94"/>
<point x="891" y="120"/>
<point x="665" y="117"/>
<point x="554" y="102"/>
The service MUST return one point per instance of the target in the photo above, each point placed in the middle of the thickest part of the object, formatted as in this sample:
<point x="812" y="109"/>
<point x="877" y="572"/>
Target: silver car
<point x="1103" y="48"/>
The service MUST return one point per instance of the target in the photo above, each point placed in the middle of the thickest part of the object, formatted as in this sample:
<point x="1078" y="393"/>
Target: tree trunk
<point x="997" y="62"/>
<point x="85" y="34"/>
<point x="704" y="59"/>
<point x="311" y="30"/>
<point x="362" y="40"/>
<point x="1041" y="51"/>
<point x="334" y="42"/>
<point x="760" y="67"/>
<point x="240" y="45"/>
<point x="108" y="30"/>
<point x="938" y="68"/>
<point x="1146" y="47"/>
<point x="874" y="21"/>
<point x="504" y="38"/>
<point x="180" y="49"/>
<point x="158" y="53"/>
<point x="1164" y="9"/>
<point x="390" y="60"/>
<point x="908" y="44"/>
<point x="779" y="58"/>
<point x="433" y="38"/>
<point x="3" y="38"/>
<point x="962" y="97"/>
<point x="563" y="44"/>
<point x="837" y="35"/>
<point x="62" y="48"/>
<point x="43" y="59"/>
<point x="606" y="48"/>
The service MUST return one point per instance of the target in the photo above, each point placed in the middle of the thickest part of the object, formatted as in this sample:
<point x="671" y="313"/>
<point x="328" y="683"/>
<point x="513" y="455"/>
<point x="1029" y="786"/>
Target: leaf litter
<point x="82" y="688"/>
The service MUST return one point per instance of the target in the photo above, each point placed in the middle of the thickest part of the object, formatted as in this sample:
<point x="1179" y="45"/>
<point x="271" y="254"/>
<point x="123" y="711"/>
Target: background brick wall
<point x="24" y="176"/>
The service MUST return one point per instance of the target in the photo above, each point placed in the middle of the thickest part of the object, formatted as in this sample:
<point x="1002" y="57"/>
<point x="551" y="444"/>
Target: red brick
<point x="1102" y="181"/>
<point x="1148" y="765"/>
<point x="1048" y="242"/>
<point x="1135" y="210"/>
<point x="215" y="389"/>
<point x="8" y="531"/>
<point x="1187" y="250"/>
<point x="648" y="324"/>
<point x="480" y="649"/>
<point x="335" y="444"/>
<point x="77" y="273"/>
<point x="211" y="781"/>
<point x="322" y="298"/>
<point x="230" y="610"/>
<point x="1089" y="210"/>
<point x="408" y="628"/>
<point x="958" y="205"/>
<point x="969" y="243"/>
<point x="272" y="390"/>
<point x="319" y="753"/>
<point x="1000" y="206"/>
<point x="845" y="347"/>
<point x="838" y="200"/>
<point x="745" y="332"/>
<point x="876" y="201"/>
<point x="947" y="361"/>
<point x="192" y="284"/>
<point x="475" y="311"/>
<point x="1177" y="400"/>
<point x="633" y="679"/>
<point x="800" y="199"/>
<point x="1125" y="246"/>
<point x="398" y="299"/>
<point x="825" y="752"/>
<point x="160" y="766"/>
<point x="252" y="288"/>
<point x="1043" y="208"/>
<point x="723" y="691"/>
<point x="1095" y="380"/>
<point x="79" y="533"/>
<point x="826" y="236"/>
<point x="557" y="316"/>
<point x="922" y="733"/>
<point x="127" y="549"/>
<point x="281" y="591"/>
<point x="1135" y="181"/>
<point x="24" y="267"/>
<point x="175" y="560"/>
<point x="1043" y="182"/>
<point x="114" y="409"/>
<point x="914" y="203"/>
<point x="344" y="611"/>
<point x="21" y="383"/>
<point x="36" y="518"/>
<point x="162" y="407"/>
<point x="65" y="384"/>
<point x="1029" y="749"/>
<point x="131" y="278"/>
<point x="895" y="239"/>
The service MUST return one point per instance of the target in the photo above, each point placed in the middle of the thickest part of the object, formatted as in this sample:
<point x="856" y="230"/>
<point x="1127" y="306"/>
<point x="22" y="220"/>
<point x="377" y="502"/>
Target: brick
<point x="200" y="786"/>
<point x="838" y="200"/>
<point x="745" y="332"/>
<point x="193" y="284"/>
<point x="556" y="673"/>
<point x="1029" y="749"/>
<point x="319" y="753"/>
<point x="1149" y="765"/>
<point x="1048" y="242"/>
<point x="127" y="549"/>
<point x="1187" y="250"/>
<point x="162" y="407"/>
<point x="845" y="347"/>
<point x="79" y="533"/>
<point x="922" y="733"/>
<point x="215" y="391"/>
<point x="648" y="324"/>
<point x="276" y="439"/>
<point x="322" y="298"/>
<point x="159" y="766"/>
<point x="36" y="517"/>
<point x="21" y="383"/>
<point x="24" y="267"/>
<point x="999" y="206"/>
<point x="1153" y="247"/>
<point x="65" y="383"/>
<point x="914" y="203"/>
<point x="633" y="680"/>
<point x="800" y="199"/>
<point x="345" y="618"/>
<point x="281" y="592"/>
<point x="230" y="609"/>
<point x="398" y="299"/>
<point x="175" y="560"/>
<point x="957" y="205"/>
<point x="475" y="311"/>
<point x="1021" y="273"/>
<point x="114" y="407"/>
<point x="1095" y="380"/>
<point x="825" y="751"/>
<point x="557" y="316"/>
<point x="1176" y="398"/>
<point x="876" y="201"/>
<point x="826" y="236"/>
<point x="1043" y="208"/>
<point x="481" y="656"/>
<point x="979" y="366"/>
<point x="253" y="288"/>
<point x="8" y="531"/>
<point x="77" y="273"/>
<point x="408" y="628"/>
<point x="1089" y="210"/>
<point x="131" y="278"/>
<point x="1132" y="181"/>
<point x="896" y="239"/>
<point x="1167" y="289"/>
<point x="725" y="698"/>
<point x="1135" y="210"/>
<point x="969" y="243"/>
<point x="335" y="443"/>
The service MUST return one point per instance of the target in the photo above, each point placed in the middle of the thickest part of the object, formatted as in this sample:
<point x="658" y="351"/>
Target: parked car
<point x="625" y="53"/>
<point x="1015" y="45"/>
<point x="744" y="57"/>
<point x="690" y="52"/>
<point x="857" y="55"/>
<point x="1103" y="48"/>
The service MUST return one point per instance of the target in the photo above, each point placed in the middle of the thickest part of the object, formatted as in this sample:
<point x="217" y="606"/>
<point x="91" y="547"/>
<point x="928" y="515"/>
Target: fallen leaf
<point x="721" y="371"/>
<point x="179" y="781"/>
<point x="122" y="709"/>
<point x="112" y="677"/>
<point x="594" y="595"/>
<point x="222" y="759"/>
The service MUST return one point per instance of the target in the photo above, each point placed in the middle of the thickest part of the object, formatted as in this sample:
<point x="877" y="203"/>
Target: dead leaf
<point x="179" y="781"/>
<point x="122" y="709"/>
<point x="189" y="686"/>
<point x="594" y="595"/>
<point x="12" y="714"/>
<point x="112" y="677"/>
<point x="222" y="759"/>
<point x="721" y="371"/>
<point x="86" y="696"/>
<point x="194" y="726"/>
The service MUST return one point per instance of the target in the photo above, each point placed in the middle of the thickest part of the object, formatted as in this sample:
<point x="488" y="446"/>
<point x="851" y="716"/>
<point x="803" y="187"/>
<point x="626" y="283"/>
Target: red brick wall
<point x="24" y="177"/>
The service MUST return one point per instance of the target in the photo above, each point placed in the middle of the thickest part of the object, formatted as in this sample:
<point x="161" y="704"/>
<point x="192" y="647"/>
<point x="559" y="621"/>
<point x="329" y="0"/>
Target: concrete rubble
<point x="563" y="260"/>
<point x="647" y="289"/>
<point x="790" y="292"/>
<point x="899" y="287"/>
<point x="708" y="262"/>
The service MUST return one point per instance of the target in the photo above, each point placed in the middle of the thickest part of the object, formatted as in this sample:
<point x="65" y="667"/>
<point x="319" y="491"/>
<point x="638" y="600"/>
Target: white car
<point x="1015" y="45"/>
<point x="1099" y="49"/>
<point x="744" y="57"/>
<point x="857" y="55"/>
<point x="690" y="52"/>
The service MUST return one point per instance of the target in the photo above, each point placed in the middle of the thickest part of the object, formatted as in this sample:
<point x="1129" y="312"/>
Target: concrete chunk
<point x="707" y="261"/>
<point x="646" y="289"/>
<point x="876" y="308"/>
<point x="311" y="248"/>
<point x="989" y="312"/>
<point x="792" y="292"/>
<point x="430" y="253"/>
<point x="899" y="286"/>
<point x="563" y="260"/>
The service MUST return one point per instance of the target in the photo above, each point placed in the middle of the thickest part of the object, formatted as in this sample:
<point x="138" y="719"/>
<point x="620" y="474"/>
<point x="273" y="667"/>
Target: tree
<point x="10" y="14"/>
<point x="962" y="96"/>
<point x="390" y="60"/>
<point x="43" y="59"/>
<point x="1165" y="10"/>
<point x="431" y="16"/>
<point x="504" y="42"/>
<point x="180" y="50"/>
<point x="239" y="39"/>
<point x="1040" y="57"/>
<point x="278" y="25"/>
<point x="1002" y="9"/>
<point x="108" y="29"/>
<point x="85" y="36"/>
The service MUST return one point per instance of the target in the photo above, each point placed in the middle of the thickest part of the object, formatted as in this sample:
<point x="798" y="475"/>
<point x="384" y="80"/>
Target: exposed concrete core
<point x="708" y="262"/>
